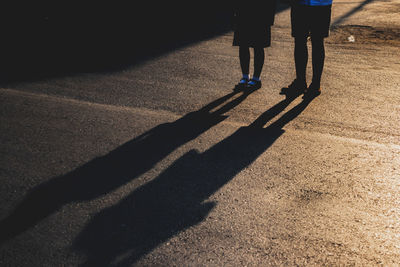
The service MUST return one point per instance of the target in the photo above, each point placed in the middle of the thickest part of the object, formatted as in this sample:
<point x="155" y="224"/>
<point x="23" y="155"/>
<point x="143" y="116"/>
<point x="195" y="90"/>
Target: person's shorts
<point x="310" y="20"/>
<point x="252" y="36"/>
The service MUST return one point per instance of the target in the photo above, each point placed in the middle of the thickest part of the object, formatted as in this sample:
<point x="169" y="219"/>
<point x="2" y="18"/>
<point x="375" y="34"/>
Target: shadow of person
<point x="122" y="165"/>
<point x="178" y="198"/>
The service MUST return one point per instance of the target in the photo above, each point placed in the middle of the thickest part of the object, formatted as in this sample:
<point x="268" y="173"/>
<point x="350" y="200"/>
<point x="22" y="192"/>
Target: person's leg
<point x="259" y="57"/>
<point x="255" y="82"/>
<point x="300" y="58"/>
<point x="244" y="57"/>
<point x="318" y="59"/>
<point x="321" y="16"/>
<point x="300" y="30"/>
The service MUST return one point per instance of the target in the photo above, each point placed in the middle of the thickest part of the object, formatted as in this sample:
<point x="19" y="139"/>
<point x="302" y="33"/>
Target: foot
<point x="296" y="87"/>
<point x="312" y="91"/>
<point x="242" y="83"/>
<point x="254" y="84"/>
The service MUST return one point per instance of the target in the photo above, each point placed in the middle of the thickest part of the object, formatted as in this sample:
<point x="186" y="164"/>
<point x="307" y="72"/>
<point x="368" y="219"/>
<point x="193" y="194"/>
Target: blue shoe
<point x="242" y="83"/>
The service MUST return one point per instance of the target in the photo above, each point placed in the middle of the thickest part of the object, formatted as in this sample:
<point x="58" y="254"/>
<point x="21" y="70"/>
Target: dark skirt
<point x="252" y="36"/>
<point x="252" y="22"/>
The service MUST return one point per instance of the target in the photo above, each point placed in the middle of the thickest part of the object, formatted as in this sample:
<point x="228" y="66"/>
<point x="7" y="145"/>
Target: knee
<point x="317" y="42"/>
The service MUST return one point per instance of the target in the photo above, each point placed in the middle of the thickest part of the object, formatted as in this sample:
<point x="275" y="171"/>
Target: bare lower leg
<point x="300" y="57"/>
<point x="244" y="57"/>
<point x="259" y="57"/>
<point x="318" y="59"/>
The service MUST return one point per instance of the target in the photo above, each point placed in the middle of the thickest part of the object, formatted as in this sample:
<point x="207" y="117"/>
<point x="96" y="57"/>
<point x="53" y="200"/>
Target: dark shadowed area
<point x="47" y="38"/>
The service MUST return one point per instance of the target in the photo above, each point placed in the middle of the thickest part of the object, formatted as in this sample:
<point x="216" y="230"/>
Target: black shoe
<point x="312" y="91"/>
<point x="253" y="84"/>
<point x="297" y="87"/>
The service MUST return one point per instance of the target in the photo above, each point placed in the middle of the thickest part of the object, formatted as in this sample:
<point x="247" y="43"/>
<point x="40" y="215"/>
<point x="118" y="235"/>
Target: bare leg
<point x="244" y="57"/>
<point x="259" y="57"/>
<point x="318" y="59"/>
<point x="300" y="57"/>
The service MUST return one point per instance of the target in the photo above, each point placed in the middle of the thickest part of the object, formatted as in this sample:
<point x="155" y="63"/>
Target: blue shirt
<point x="315" y="2"/>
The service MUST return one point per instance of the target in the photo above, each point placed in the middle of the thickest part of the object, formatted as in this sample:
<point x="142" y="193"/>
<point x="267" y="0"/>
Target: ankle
<point x="301" y="80"/>
<point x="315" y="83"/>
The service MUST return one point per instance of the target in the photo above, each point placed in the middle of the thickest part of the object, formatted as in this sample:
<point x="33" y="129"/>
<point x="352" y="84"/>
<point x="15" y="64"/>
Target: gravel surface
<point x="160" y="162"/>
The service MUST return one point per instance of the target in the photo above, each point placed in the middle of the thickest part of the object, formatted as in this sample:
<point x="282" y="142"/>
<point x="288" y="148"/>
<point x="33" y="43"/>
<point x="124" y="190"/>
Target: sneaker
<point x="242" y="83"/>
<point x="254" y="84"/>
<point x="312" y="91"/>
<point x="296" y="87"/>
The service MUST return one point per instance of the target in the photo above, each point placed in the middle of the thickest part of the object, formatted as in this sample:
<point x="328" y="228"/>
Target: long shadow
<point x="177" y="198"/>
<point x="122" y="165"/>
<point x="43" y="38"/>
<point x="351" y="12"/>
